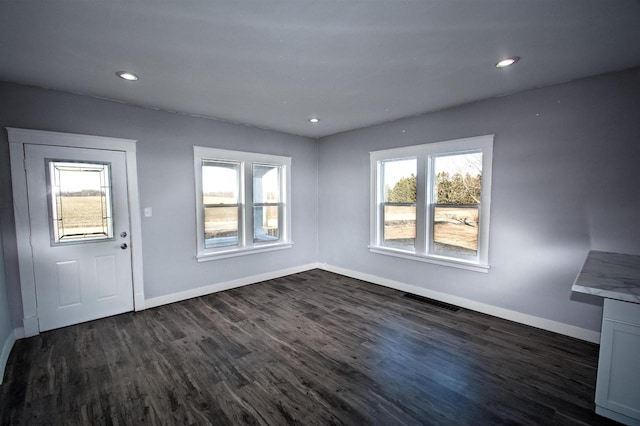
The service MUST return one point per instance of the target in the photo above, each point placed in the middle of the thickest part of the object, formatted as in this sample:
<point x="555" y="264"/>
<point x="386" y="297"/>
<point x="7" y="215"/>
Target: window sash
<point x="463" y="252"/>
<point x="265" y="240"/>
<point x="235" y="166"/>
<point x="383" y="224"/>
<point x="278" y="168"/>
<point x="223" y="241"/>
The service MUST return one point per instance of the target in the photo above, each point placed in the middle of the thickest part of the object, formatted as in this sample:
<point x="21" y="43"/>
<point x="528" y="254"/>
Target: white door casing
<point x="89" y="276"/>
<point x="18" y="139"/>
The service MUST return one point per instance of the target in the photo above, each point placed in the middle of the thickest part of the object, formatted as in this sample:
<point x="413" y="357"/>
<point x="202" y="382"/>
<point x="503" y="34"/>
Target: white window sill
<point x="438" y="260"/>
<point x="242" y="251"/>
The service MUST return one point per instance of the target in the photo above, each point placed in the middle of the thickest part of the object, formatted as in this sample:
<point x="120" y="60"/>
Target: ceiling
<point x="275" y="64"/>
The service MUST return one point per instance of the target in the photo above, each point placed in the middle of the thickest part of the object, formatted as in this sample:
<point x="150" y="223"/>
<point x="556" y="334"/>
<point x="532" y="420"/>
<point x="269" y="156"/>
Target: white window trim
<point x="423" y="154"/>
<point x="246" y="244"/>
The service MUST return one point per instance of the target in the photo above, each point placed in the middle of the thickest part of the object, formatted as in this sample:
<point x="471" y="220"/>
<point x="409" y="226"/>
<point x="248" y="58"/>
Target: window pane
<point x="399" y="208"/>
<point x="399" y="180"/>
<point x="457" y="194"/>
<point x="455" y="230"/>
<point x="80" y="201"/>
<point x="265" y="223"/>
<point x="220" y="182"/>
<point x="399" y="225"/>
<point x="220" y="226"/>
<point x="266" y="184"/>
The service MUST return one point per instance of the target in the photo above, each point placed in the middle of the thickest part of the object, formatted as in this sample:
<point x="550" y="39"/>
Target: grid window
<point x="431" y="202"/>
<point x="242" y="202"/>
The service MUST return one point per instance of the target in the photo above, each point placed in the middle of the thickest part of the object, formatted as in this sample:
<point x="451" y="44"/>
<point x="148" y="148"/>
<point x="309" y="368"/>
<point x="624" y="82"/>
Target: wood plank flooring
<point x="313" y="348"/>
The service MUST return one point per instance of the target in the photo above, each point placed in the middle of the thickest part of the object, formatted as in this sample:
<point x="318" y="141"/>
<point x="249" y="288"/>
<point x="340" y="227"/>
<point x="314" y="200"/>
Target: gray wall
<point x="11" y="317"/>
<point x="166" y="182"/>
<point x="6" y="323"/>
<point x="566" y="170"/>
<point x="565" y="181"/>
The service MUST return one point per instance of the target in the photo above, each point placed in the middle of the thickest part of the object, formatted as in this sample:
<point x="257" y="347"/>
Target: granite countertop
<point x="610" y="275"/>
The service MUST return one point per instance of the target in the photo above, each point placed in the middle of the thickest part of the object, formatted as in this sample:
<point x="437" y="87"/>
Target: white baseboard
<point x="214" y="288"/>
<point x="31" y="326"/>
<point x="519" y="317"/>
<point x="6" y="350"/>
<point x="19" y="332"/>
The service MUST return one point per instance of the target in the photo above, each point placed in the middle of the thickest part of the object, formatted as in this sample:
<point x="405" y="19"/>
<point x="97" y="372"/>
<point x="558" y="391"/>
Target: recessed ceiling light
<point x="125" y="75"/>
<point x="507" y="62"/>
<point x="314" y="120"/>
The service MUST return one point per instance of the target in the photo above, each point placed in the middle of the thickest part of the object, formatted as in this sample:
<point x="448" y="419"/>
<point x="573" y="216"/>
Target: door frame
<point x="18" y="138"/>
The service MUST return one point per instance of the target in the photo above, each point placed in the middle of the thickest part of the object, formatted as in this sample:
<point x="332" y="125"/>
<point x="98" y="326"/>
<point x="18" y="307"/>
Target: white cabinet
<point x="618" y="384"/>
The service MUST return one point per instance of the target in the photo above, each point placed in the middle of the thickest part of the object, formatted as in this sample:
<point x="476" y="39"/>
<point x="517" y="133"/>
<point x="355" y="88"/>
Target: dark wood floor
<point x="311" y="348"/>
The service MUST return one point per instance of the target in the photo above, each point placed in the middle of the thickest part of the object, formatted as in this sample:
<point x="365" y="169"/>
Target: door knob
<point x="123" y="246"/>
<point x="123" y="234"/>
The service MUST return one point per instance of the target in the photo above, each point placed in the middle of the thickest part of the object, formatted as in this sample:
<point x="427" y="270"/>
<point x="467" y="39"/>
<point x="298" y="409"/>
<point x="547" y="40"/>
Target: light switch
<point x="148" y="212"/>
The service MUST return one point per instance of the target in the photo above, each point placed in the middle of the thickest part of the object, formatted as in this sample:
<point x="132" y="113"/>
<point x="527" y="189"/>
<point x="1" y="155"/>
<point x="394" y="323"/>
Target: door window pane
<point x="456" y="205"/>
<point x="399" y="202"/>
<point x="267" y="185"/>
<point x="220" y="199"/>
<point x="80" y="201"/>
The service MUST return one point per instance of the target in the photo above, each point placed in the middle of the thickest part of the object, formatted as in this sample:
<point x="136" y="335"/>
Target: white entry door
<point x="79" y="218"/>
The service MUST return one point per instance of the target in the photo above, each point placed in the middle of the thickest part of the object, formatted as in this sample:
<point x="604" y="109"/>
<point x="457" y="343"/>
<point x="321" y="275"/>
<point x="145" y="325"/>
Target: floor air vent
<point x="436" y="303"/>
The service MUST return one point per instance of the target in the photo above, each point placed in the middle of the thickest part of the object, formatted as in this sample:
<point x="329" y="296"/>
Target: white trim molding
<point x="243" y="163"/>
<point x="424" y="157"/>
<point x="6" y="351"/>
<point x="227" y="285"/>
<point x="519" y="317"/>
<point x="18" y="138"/>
